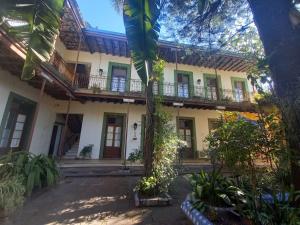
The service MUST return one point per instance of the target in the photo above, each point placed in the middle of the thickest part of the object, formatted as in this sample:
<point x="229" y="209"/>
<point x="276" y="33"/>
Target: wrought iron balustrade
<point x="106" y="84"/>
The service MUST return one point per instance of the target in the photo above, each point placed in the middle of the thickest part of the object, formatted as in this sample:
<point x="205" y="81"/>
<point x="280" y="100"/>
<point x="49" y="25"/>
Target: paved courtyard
<point x="97" y="200"/>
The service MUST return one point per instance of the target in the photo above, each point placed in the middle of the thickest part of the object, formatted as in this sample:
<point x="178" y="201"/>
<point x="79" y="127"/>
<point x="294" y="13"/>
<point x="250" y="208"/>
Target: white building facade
<point x="102" y="102"/>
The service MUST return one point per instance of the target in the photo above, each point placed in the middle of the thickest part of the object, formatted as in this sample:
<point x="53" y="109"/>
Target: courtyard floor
<point x="98" y="200"/>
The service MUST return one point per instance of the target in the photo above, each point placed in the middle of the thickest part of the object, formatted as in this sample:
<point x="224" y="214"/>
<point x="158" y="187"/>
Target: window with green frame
<point x="118" y="78"/>
<point x="239" y="89"/>
<point x="184" y="84"/>
<point x="211" y="83"/>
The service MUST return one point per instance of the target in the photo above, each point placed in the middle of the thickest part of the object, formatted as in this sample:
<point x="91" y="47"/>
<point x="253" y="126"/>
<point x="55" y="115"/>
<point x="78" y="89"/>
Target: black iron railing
<point x="182" y="91"/>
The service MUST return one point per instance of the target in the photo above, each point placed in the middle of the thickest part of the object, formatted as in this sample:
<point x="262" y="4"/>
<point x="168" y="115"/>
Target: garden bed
<point x="162" y="200"/>
<point x="223" y="216"/>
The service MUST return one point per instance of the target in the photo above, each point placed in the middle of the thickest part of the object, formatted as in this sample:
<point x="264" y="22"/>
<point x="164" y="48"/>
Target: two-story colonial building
<point x="90" y="93"/>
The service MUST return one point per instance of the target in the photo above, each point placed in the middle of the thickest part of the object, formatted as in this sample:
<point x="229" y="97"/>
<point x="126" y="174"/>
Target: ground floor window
<point x="212" y="124"/>
<point x="16" y="123"/>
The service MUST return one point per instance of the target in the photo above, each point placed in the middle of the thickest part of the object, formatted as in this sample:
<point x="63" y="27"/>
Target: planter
<point x="268" y="198"/>
<point x="199" y="218"/>
<point x="193" y="214"/>
<point x="163" y="200"/>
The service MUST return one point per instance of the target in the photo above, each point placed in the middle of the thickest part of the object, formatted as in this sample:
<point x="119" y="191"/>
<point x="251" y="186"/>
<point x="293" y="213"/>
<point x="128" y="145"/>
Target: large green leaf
<point x="142" y="31"/>
<point x="42" y="22"/>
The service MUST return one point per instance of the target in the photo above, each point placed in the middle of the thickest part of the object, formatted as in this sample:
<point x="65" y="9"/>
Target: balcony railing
<point x="121" y="86"/>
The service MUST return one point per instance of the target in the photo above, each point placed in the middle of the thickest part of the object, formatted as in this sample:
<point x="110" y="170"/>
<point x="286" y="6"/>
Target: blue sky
<point x="101" y="14"/>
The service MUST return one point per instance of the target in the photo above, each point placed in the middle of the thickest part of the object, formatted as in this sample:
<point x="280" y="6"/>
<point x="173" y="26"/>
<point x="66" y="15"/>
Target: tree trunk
<point x="149" y="136"/>
<point x="281" y="41"/>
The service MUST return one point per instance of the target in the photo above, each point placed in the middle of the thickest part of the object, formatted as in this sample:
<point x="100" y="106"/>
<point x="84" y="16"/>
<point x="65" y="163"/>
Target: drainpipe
<point x="36" y="114"/>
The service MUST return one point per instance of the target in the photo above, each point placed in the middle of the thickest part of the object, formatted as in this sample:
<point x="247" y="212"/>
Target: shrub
<point x="12" y="193"/>
<point x="213" y="190"/>
<point x="135" y="156"/>
<point x="278" y="209"/>
<point x="147" y="186"/>
<point x="37" y="170"/>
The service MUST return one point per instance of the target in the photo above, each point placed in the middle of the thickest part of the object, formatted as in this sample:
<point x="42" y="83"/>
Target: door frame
<point x="103" y="133"/>
<point x="194" y="146"/>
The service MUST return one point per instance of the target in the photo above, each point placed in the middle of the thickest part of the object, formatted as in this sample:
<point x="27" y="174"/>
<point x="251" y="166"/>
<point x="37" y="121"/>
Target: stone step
<point x="119" y="170"/>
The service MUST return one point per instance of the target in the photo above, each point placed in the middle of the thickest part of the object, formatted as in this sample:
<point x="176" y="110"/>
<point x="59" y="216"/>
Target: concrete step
<point x="101" y="171"/>
<point x="119" y="170"/>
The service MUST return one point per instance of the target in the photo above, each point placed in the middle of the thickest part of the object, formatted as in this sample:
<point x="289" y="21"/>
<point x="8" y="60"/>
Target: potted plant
<point x="136" y="156"/>
<point x="86" y="151"/>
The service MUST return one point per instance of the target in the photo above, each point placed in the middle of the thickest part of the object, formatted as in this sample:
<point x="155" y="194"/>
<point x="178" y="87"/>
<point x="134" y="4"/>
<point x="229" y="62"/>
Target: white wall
<point x="98" y="60"/>
<point x="93" y="113"/>
<point x="46" y="116"/>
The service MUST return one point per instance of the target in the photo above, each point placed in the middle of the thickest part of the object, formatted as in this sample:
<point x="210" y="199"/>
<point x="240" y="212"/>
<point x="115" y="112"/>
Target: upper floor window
<point x="118" y="76"/>
<point x="211" y="88"/>
<point x="184" y="81"/>
<point x="239" y="89"/>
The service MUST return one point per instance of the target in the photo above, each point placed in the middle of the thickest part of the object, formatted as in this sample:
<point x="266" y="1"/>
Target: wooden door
<point x="186" y="134"/>
<point x="113" y="137"/>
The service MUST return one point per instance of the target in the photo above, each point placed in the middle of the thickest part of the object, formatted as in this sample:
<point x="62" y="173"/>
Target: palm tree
<point x="35" y="22"/>
<point x="142" y="31"/>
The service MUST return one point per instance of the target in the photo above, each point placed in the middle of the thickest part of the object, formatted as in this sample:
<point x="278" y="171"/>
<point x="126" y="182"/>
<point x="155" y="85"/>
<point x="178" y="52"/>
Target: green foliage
<point x="279" y="211"/>
<point x="86" y="151"/>
<point x="41" y="20"/>
<point x="12" y="193"/>
<point x="135" y="156"/>
<point x="37" y="170"/>
<point x="166" y="143"/>
<point x="213" y="190"/>
<point x="147" y="186"/>
<point x="238" y="142"/>
<point x="235" y="143"/>
<point x="142" y="31"/>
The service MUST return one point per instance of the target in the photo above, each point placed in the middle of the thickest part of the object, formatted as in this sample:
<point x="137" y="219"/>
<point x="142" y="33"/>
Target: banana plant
<point x="142" y="31"/>
<point x="35" y="22"/>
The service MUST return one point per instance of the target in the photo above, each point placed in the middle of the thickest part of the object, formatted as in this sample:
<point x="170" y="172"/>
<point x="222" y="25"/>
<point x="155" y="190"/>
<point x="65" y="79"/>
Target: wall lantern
<point x="100" y="71"/>
<point x="135" y="125"/>
<point x="199" y="81"/>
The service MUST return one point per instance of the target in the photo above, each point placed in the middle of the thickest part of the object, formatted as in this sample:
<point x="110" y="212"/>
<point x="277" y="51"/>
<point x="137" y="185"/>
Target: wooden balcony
<point x="61" y="66"/>
<point x="104" y="87"/>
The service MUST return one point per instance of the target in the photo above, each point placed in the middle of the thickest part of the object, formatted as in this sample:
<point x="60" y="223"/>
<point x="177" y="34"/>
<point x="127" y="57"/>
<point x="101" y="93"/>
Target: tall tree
<point x="37" y="23"/>
<point x="142" y="31"/>
<point x="278" y="24"/>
